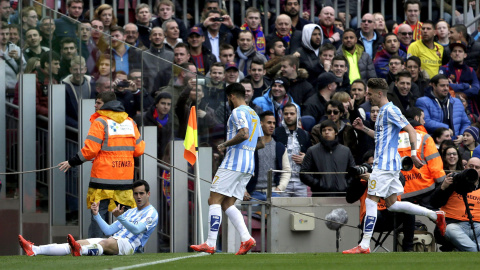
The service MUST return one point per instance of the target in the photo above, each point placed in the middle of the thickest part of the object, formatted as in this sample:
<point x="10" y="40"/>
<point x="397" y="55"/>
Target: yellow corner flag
<point x="191" y="142"/>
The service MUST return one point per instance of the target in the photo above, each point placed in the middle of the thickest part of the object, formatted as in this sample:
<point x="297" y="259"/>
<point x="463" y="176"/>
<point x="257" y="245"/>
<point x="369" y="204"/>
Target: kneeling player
<point x="129" y="233"/>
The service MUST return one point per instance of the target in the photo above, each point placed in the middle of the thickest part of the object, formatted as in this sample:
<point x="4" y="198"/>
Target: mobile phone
<point x="123" y="83"/>
<point x="11" y="47"/>
<point x="201" y="81"/>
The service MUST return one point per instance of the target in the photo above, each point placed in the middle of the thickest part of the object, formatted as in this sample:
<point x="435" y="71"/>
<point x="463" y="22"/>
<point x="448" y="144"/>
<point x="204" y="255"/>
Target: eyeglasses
<point x="406" y="33"/>
<point x="365" y="21"/>
<point x="451" y="154"/>
<point x="335" y="112"/>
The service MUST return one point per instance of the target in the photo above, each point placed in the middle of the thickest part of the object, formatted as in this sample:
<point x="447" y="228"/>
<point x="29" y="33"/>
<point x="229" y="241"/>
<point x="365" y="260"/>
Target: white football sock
<point x="92" y="250"/>
<point x="369" y="222"/>
<point x="52" y="249"/>
<point x="214" y="221"/>
<point x="413" y="209"/>
<point x="236" y="218"/>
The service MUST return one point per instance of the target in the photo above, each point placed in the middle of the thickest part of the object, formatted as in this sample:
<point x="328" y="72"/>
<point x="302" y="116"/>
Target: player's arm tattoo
<point x="241" y="136"/>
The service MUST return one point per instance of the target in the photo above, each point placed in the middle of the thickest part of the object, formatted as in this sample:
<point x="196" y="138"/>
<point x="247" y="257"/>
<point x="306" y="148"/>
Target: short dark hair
<point x="397" y="57"/>
<point x="340" y="57"/>
<point x="378" y="83"/>
<point x="106" y="96"/>
<point x="437" y="78"/>
<point x="412" y="112"/>
<point x="416" y="60"/>
<point x="213" y="12"/>
<point x="183" y="45"/>
<point x="336" y="103"/>
<point x="292" y="60"/>
<point x="328" y="123"/>
<point x="460" y="28"/>
<point x="271" y="44"/>
<point x="66" y="40"/>
<point x="246" y="81"/>
<point x="257" y="61"/>
<point x="45" y="58"/>
<point x="404" y="74"/>
<point x="162" y="95"/>
<point x="33" y="28"/>
<point x="140" y="183"/>
<point x="235" y="89"/>
<point x="437" y="133"/>
<point x="289" y="105"/>
<point x="350" y="30"/>
<point x="117" y="28"/>
<point x="327" y="47"/>
<point x="387" y="35"/>
<point x="218" y="64"/>
<point x="370" y="153"/>
<point x="412" y="2"/>
<point x="360" y="81"/>
<point x="265" y="114"/>
<point x="432" y="23"/>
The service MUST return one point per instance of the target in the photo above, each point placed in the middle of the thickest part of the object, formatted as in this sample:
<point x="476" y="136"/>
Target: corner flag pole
<point x="191" y="155"/>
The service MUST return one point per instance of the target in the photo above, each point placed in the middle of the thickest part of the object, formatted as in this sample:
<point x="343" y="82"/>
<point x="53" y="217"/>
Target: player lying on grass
<point x="129" y="233"/>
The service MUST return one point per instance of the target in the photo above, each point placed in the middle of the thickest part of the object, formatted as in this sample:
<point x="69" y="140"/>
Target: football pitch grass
<point x="251" y="261"/>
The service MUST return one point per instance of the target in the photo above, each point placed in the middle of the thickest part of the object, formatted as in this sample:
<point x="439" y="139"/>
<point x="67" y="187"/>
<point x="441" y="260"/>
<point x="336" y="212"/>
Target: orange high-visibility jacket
<point x="420" y="181"/>
<point x="455" y="207"/>
<point x="113" y="140"/>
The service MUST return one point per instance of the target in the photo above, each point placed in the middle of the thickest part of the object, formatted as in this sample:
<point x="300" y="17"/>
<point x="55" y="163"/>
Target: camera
<point x="123" y="84"/>
<point x="218" y="19"/>
<point x="359" y="169"/>
<point x="464" y="182"/>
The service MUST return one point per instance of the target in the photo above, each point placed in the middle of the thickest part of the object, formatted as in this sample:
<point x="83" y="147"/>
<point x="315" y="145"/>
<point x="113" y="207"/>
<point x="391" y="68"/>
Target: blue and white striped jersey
<point x="240" y="157"/>
<point x="389" y="123"/>
<point x="147" y="215"/>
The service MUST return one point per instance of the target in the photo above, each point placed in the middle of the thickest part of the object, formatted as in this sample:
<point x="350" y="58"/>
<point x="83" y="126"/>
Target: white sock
<point x="52" y="249"/>
<point x="236" y="218"/>
<point x="214" y="221"/>
<point x="369" y="222"/>
<point x="413" y="209"/>
<point x="92" y="250"/>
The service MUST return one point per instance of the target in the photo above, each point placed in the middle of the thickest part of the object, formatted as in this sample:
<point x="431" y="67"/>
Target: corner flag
<point x="191" y="142"/>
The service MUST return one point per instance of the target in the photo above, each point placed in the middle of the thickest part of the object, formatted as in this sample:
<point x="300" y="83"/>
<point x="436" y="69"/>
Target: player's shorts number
<point x="215" y="179"/>
<point x="255" y="122"/>
<point x="372" y="183"/>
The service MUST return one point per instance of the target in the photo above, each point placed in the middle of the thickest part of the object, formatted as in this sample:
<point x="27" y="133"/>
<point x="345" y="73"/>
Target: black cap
<point x="327" y="78"/>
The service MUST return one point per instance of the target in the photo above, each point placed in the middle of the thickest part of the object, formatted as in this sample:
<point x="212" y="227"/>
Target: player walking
<point x="384" y="181"/>
<point x="244" y="135"/>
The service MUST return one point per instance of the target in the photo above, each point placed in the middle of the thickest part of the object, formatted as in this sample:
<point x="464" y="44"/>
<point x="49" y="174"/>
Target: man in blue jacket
<point x="443" y="110"/>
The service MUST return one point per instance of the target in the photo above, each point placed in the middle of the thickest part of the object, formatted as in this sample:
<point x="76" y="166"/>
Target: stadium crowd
<point x="311" y="76"/>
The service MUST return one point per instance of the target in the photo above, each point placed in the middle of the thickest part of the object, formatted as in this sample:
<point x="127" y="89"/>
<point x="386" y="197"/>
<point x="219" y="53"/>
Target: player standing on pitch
<point x="384" y="181"/>
<point x="244" y="136"/>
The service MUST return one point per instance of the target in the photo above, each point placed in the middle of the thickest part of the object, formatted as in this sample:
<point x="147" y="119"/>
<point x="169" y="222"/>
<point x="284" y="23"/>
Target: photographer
<point x="357" y="190"/>
<point x="123" y="90"/>
<point x="459" y="232"/>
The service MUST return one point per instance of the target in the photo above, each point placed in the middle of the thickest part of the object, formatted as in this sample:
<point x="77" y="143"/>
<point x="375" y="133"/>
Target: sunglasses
<point x="335" y="112"/>
<point x="406" y="33"/>
<point x="365" y="21"/>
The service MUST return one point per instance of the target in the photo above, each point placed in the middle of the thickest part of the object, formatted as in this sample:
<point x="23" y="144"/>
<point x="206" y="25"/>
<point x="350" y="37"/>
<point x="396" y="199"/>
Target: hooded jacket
<point x="381" y="59"/>
<point x="434" y="113"/>
<point x="365" y="63"/>
<point x="326" y="156"/>
<point x="113" y="141"/>
<point x="154" y="65"/>
<point x="308" y="55"/>
<point x="265" y="102"/>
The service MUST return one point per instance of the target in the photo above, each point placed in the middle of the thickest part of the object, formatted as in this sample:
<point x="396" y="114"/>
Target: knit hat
<point x="474" y="131"/>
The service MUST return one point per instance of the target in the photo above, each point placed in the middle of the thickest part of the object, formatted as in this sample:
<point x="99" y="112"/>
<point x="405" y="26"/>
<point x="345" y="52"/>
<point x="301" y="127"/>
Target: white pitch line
<point x="159" y="262"/>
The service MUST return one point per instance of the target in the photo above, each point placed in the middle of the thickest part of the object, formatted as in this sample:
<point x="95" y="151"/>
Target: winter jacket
<point x="315" y="106"/>
<point x="326" y="156"/>
<point x="473" y="53"/>
<point x="223" y="38"/>
<point x="365" y="63"/>
<point x="326" y="36"/>
<point x="155" y="67"/>
<point x="72" y="99"/>
<point x="381" y="59"/>
<point x="113" y="141"/>
<point x="468" y="81"/>
<point x="300" y="89"/>
<point x="377" y="44"/>
<point x="346" y="135"/>
<point x="394" y="96"/>
<point x="434" y="113"/>
<point x="266" y="103"/>
<point x="12" y="68"/>
<point x="295" y="41"/>
<point x="308" y="55"/>
<point x="303" y="138"/>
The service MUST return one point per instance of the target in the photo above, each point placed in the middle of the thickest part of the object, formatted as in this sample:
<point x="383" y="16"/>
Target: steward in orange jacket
<point x="113" y="141"/>
<point x="423" y="180"/>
